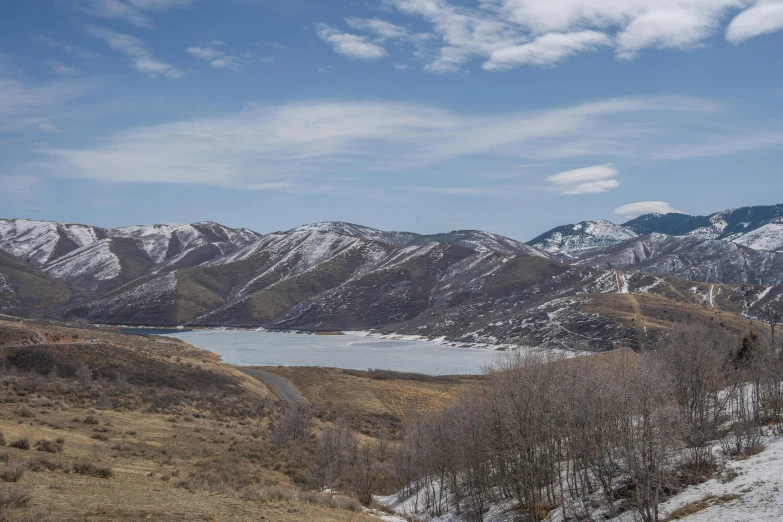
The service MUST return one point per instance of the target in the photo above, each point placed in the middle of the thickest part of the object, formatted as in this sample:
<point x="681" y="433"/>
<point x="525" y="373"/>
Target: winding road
<point x="282" y="388"/>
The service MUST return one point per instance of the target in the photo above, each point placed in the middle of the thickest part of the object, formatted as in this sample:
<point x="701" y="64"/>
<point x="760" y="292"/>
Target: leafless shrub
<point x="293" y="426"/>
<point x="91" y="470"/>
<point x="22" y="444"/>
<point x="84" y="376"/>
<point x="13" y="498"/>
<point x="48" y="446"/>
<point x="12" y="472"/>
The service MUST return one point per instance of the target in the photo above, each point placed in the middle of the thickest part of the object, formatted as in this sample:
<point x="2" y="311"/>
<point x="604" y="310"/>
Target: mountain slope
<point x="475" y="239"/>
<point x="24" y="289"/>
<point x="693" y="257"/>
<point x="569" y="239"/>
<point x="720" y="225"/>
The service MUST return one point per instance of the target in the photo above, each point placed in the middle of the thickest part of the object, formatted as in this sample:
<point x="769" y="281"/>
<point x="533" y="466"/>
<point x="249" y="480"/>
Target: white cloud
<point x="220" y="59"/>
<point x="205" y="53"/>
<point x="593" y="187"/>
<point x="386" y="30"/>
<point x="596" y="173"/>
<point x="633" y="210"/>
<point x="137" y="50"/>
<point x="131" y="11"/>
<point x="61" y="69"/>
<point x="764" y="18"/>
<point x="588" y="180"/>
<point x="548" y="49"/>
<point x="351" y="45"/>
<point x="511" y="33"/>
<point x="49" y="127"/>
<point x="280" y="144"/>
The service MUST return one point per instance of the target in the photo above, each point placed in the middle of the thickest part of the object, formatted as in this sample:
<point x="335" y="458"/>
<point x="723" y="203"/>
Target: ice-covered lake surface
<point x="352" y="351"/>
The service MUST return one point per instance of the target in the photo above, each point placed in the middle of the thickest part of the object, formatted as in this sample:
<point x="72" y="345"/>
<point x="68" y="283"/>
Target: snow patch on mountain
<point x="95" y="260"/>
<point x="33" y="240"/>
<point x="155" y="239"/>
<point x="5" y="285"/>
<point x="571" y="239"/>
<point x="767" y="237"/>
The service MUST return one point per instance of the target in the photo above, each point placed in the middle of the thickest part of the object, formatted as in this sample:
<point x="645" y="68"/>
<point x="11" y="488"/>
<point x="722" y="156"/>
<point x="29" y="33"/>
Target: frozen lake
<point x="353" y="351"/>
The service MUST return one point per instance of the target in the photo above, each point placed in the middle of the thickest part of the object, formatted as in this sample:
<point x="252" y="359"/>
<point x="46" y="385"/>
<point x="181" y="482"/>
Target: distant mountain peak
<point x="585" y="235"/>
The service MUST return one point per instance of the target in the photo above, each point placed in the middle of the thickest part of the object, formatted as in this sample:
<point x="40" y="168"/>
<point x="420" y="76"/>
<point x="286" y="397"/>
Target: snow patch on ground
<point x="5" y="285"/>
<point x="758" y="484"/>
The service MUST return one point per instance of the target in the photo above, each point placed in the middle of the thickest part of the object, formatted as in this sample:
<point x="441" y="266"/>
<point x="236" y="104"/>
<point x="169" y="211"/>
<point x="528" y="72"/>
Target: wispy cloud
<point x="547" y="49"/>
<point x="49" y="127"/>
<point x="323" y="140"/>
<point x="138" y="51"/>
<point x="350" y="45"/>
<point x="641" y="208"/>
<point x="74" y="50"/>
<point x="512" y="33"/>
<point x="62" y="69"/>
<point x="717" y="145"/>
<point x="218" y="58"/>
<point x="463" y="191"/>
<point x="588" y="180"/>
<point x="135" y="12"/>
<point x="24" y="105"/>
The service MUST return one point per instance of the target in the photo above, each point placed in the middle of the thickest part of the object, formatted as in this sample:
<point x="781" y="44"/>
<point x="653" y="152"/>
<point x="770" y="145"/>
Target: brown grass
<point x="212" y="438"/>
<point x="700" y="505"/>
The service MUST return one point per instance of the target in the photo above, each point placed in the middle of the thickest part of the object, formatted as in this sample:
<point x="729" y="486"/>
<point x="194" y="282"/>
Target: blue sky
<point x="512" y="116"/>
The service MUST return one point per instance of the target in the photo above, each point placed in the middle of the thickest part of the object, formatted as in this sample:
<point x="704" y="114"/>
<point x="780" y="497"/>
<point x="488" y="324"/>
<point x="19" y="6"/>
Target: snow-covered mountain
<point x="692" y="257"/>
<point x="760" y="228"/>
<point x="466" y="286"/>
<point x="569" y="240"/>
<point x="767" y="237"/>
<point x="474" y="239"/>
<point x="726" y="224"/>
<point x="42" y="242"/>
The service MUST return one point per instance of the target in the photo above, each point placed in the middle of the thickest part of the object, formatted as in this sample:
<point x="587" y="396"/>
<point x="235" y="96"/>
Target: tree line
<point x="545" y="434"/>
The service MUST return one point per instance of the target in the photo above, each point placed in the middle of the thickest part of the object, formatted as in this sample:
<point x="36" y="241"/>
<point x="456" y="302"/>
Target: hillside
<point x="24" y="289"/>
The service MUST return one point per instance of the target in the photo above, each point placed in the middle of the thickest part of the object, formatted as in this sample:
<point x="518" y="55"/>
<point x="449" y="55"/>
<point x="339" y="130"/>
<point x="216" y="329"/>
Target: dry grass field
<point x="152" y="431"/>
<point x="370" y="405"/>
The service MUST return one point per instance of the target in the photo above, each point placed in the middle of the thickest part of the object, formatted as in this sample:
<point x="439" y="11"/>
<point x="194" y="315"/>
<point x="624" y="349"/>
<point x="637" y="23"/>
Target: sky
<point x="511" y="116"/>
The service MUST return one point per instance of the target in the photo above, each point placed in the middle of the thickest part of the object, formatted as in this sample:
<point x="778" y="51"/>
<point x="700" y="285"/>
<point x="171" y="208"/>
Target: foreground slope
<point x="153" y="431"/>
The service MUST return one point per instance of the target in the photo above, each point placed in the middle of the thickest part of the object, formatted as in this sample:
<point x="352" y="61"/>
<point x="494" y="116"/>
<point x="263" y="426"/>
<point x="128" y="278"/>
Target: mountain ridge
<point x="468" y="286"/>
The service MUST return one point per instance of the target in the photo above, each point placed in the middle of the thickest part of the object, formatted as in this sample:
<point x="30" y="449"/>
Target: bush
<point x="13" y="472"/>
<point x="22" y="444"/>
<point x="90" y="470"/>
<point x="43" y="464"/>
<point x="49" y="446"/>
<point x="13" y="498"/>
